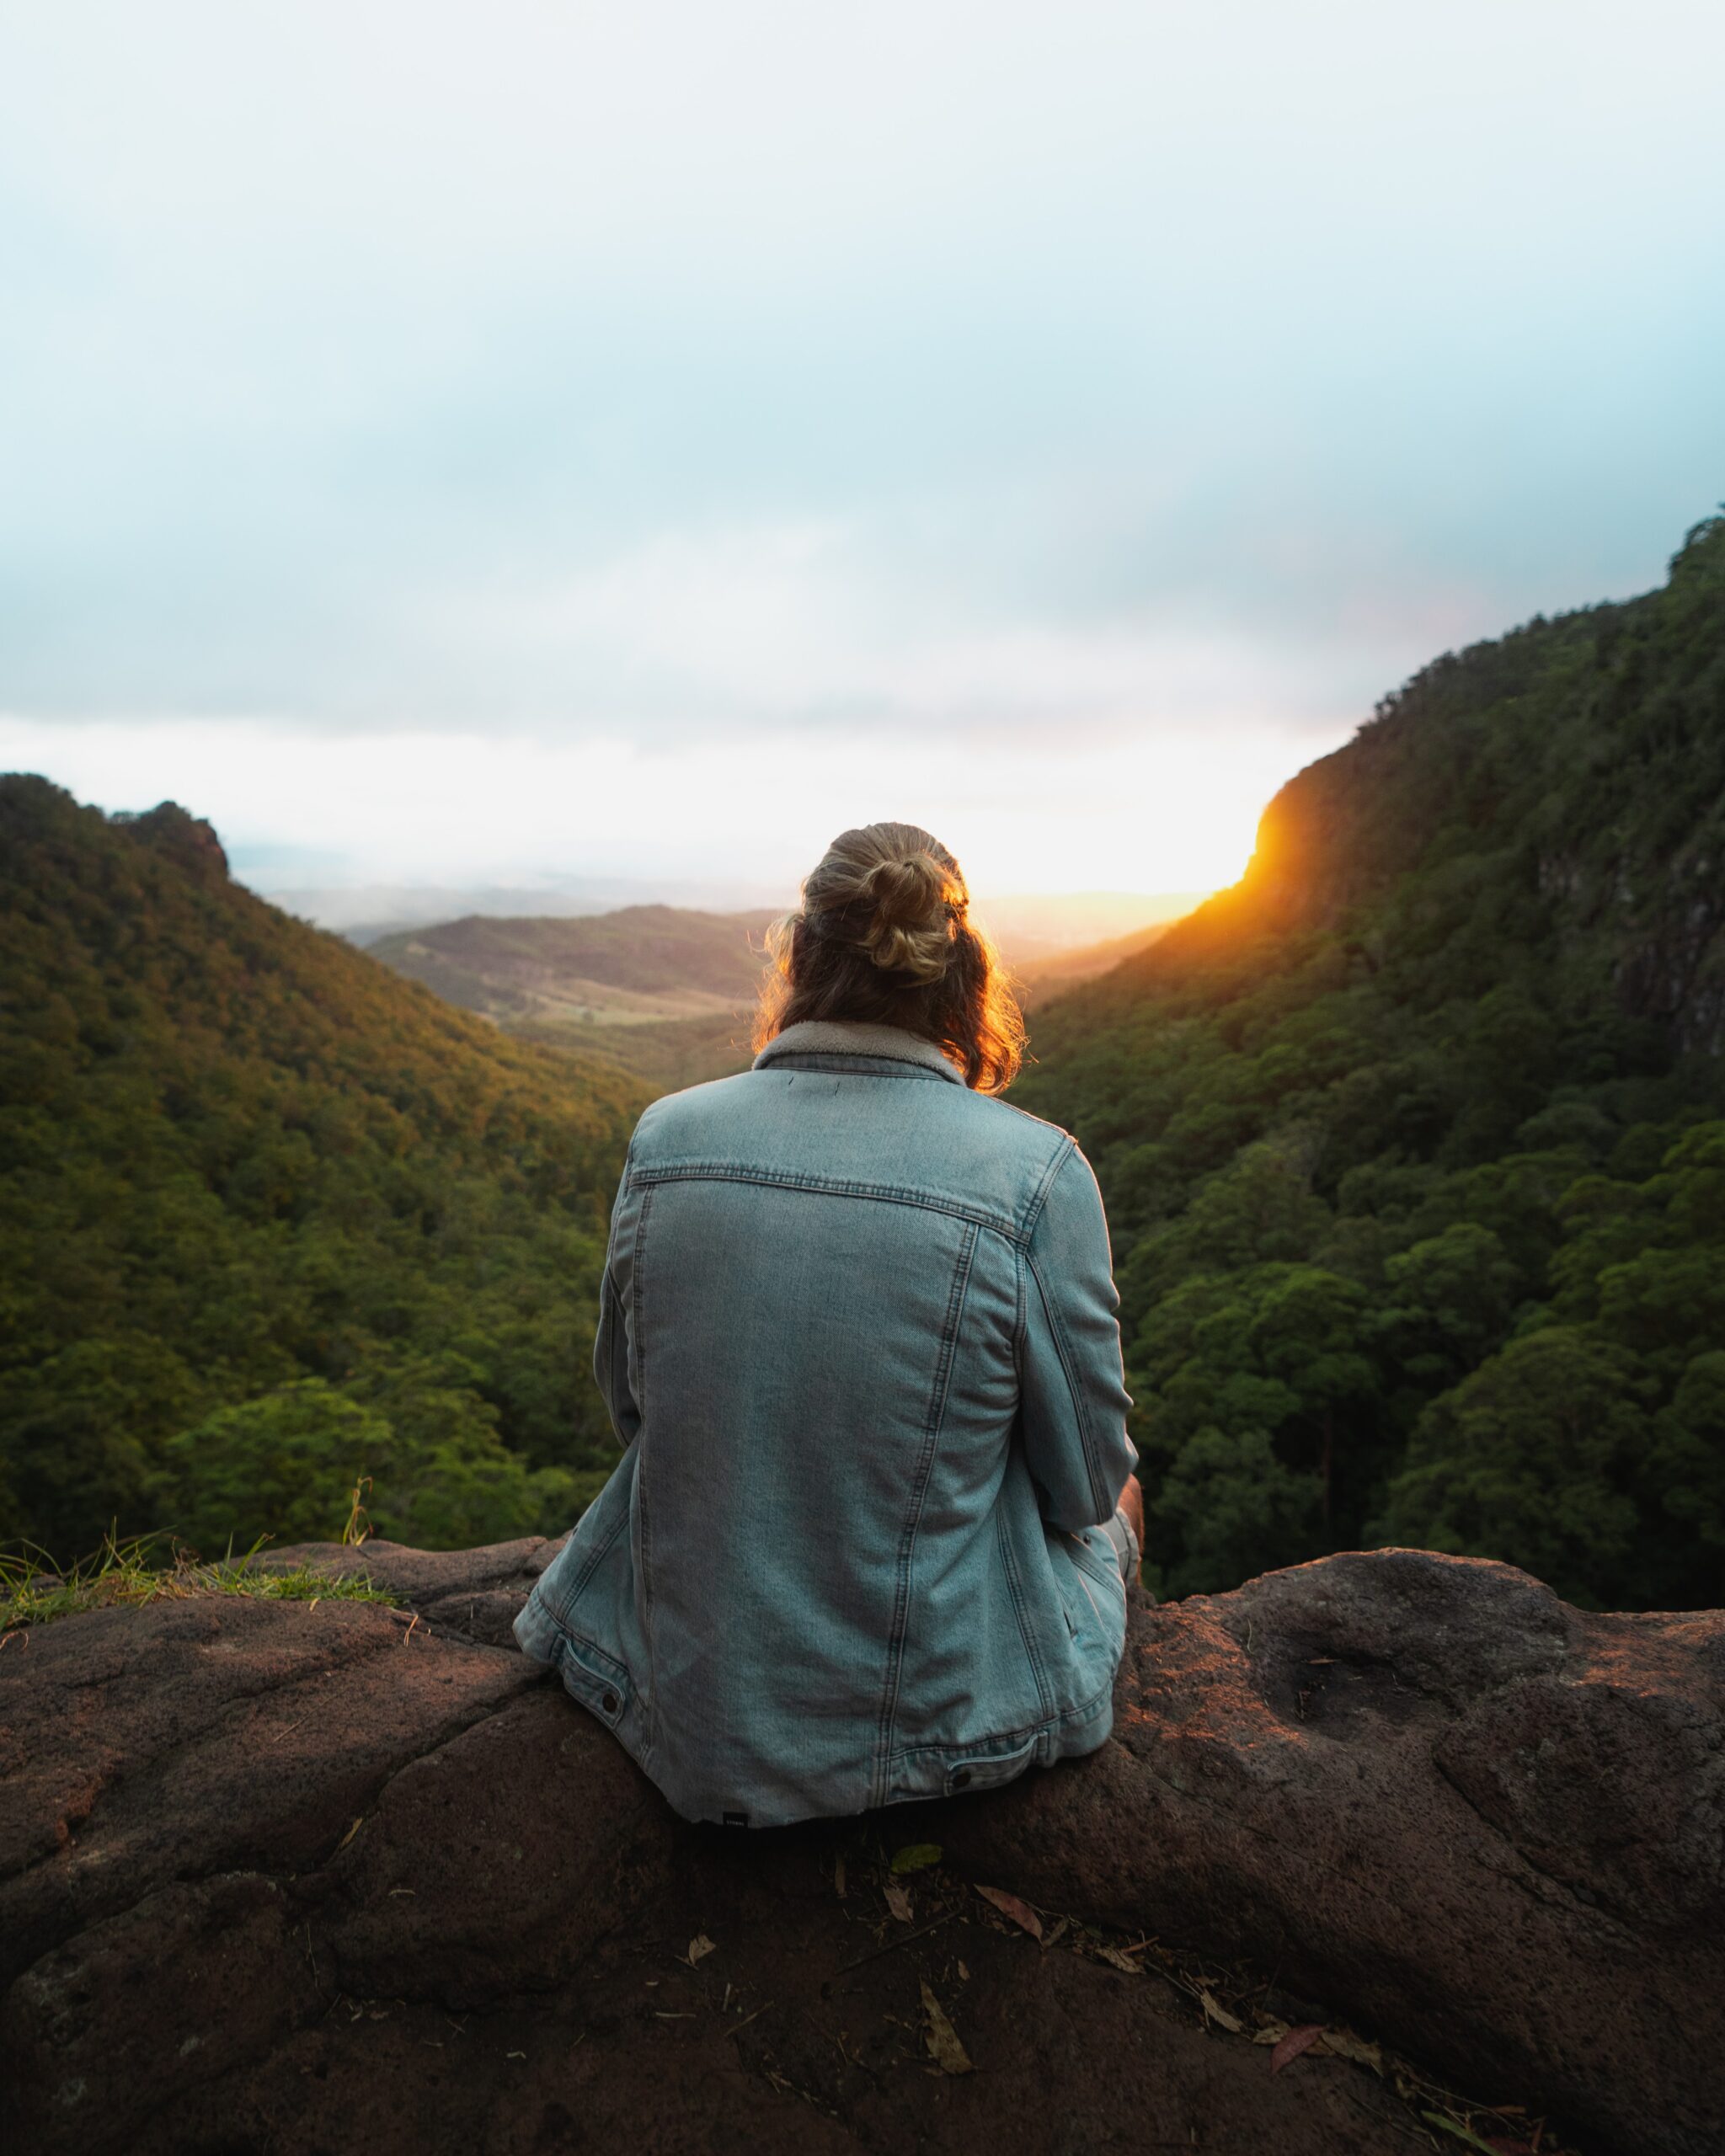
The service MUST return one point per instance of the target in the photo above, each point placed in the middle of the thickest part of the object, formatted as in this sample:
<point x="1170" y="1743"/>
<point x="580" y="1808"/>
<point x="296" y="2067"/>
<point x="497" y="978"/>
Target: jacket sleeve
<point x="1073" y="1400"/>
<point x="612" y="1358"/>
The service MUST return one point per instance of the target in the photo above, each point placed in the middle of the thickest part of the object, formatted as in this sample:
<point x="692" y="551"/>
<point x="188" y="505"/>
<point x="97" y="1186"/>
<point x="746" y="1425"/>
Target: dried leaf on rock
<point x="944" y="2048"/>
<point x="1009" y="1905"/>
<point x="699" y="1948"/>
<point x="1296" y="2041"/>
<point x="897" y="1900"/>
<point x="1346" y="2045"/>
<point x="1214" y="2010"/>
<point x="916" y="1856"/>
<point x="1116" y="1960"/>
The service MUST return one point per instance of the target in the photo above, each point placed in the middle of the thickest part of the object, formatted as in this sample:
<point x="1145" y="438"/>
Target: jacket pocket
<point x="1092" y="1593"/>
<point x="599" y="1682"/>
<point x="1099" y="1559"/>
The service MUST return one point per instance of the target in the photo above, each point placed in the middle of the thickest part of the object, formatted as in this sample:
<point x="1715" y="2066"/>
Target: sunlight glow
<point x="1164" y="811"/>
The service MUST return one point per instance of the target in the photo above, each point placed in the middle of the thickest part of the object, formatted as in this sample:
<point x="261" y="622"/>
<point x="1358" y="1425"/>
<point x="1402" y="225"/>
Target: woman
<point x="867" y="1542"/>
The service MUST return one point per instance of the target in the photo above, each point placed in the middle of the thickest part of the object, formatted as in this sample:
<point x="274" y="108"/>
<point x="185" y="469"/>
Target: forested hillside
<point x="1413" y="1145"/>
<point x="1040" y="979"/>
<point x="1413" y="1142"/>
<point x="272" y="1219"/>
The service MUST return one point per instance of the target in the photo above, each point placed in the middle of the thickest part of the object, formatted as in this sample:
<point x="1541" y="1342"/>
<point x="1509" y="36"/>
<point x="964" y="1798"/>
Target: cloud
<point x="666" y="379"/>
<point x="811" y="627"/>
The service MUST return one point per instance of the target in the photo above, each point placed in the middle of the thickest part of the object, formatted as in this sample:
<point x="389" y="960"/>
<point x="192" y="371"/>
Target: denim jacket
<point x="857" y="1335"/>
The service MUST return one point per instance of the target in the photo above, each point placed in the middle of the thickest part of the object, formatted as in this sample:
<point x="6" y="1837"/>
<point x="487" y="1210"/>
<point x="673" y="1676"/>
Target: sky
<point x="455" y="442"/>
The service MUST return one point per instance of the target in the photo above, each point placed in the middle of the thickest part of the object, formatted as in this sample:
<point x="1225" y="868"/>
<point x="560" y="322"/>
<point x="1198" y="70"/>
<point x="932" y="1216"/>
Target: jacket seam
<point x="1058" y="1160"/>
<point x="1021" y="1310"/>
<point x="830" y="1187"/>
<point x="907" y="1541"/>
<point x="642" y="1508"/>
<point x="616" y="1322"/>
<point x="1009" y="1566"/>
<point x="1053" y="1720"/>
<point x="563" y="1610"/>
<point x="1092" y="1465"/>
<point x="612" y="1316"/>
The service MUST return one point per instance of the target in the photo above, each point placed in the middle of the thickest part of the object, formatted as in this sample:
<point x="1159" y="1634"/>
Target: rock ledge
<point x="277" y="1877"/>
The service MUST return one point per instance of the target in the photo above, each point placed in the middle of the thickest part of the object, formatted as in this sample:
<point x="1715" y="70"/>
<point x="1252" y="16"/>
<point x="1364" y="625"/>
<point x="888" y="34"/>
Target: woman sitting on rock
<point x="869" y="1537"/>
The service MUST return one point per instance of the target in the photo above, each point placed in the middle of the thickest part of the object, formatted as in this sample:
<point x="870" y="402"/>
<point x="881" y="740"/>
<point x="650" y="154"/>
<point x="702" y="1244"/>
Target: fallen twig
<point x="874" y="1954"/>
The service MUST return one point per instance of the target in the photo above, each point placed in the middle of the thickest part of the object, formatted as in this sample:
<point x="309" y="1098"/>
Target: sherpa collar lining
<point x="844" y="1037"/>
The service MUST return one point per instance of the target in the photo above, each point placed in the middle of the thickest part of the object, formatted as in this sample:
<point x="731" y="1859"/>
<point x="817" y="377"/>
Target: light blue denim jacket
<point x="858" y="1334"/>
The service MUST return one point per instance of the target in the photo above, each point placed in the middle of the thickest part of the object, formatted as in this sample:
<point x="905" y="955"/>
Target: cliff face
<point x="1460" y="1024"/>
<point x="1571" y="774"/>
<point x="275" y="1876"/>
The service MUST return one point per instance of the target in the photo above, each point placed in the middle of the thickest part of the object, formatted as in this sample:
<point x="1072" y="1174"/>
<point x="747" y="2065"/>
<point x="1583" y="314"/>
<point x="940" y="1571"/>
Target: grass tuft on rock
<point x="130" y="1572"/>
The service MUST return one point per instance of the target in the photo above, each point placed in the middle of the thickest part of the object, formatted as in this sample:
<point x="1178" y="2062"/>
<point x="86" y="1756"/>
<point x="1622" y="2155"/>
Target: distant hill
<point x="363" y="912"/>
<point x="1413" y="1141"/>
<point x="271" y="1218"/>
<point x="669" y="992"/>
<point x="634" y="966"/>
<point x="666" y="993"/>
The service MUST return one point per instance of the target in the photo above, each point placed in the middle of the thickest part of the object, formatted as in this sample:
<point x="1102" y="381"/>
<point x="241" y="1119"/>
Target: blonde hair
<point x="884" y="936"/>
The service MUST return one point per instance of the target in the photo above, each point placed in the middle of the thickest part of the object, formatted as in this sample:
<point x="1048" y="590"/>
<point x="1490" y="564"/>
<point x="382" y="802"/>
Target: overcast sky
<point x="446" y="441"/>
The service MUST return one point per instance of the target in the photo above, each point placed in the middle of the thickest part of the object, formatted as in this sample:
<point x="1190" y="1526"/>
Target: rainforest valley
<point x="1412" y="1142"/>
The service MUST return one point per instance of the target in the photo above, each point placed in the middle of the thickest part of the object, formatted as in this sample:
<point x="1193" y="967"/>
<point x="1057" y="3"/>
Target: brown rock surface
<point x="1415" y="1794"/>
<point x="139" y="1747"/>
<point x="472" y="1593"/>
<point x="1491" y="1827"/>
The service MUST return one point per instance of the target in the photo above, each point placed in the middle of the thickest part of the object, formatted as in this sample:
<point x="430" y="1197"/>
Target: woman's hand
<point x="1132" y="1502"/>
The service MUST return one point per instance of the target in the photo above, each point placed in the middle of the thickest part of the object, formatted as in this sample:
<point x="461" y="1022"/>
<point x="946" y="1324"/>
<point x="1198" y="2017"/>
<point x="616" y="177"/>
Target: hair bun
<point x="883" y="937"/>
<point x="910" y="931"/>
<point x="909" y="893"/>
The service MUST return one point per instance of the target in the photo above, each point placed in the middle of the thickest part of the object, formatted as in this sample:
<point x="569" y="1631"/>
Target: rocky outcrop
<point x="189" y="839"/>
<point x="1490" y="1826"/>
<point x="276" y="1876"/>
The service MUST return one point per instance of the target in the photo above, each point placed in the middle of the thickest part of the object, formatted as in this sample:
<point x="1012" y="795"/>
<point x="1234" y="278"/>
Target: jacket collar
<point x="843" y="1037"/>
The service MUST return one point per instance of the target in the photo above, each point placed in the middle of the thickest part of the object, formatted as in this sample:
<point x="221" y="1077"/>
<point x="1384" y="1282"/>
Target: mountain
<point x="666" y="992"/>
<point x="272" y="1220"/>
<point x="669" y="992"/>
<point x="1412" y="1143"/>
<point x="631" y="966"/>
<point x="363" y="912"/>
